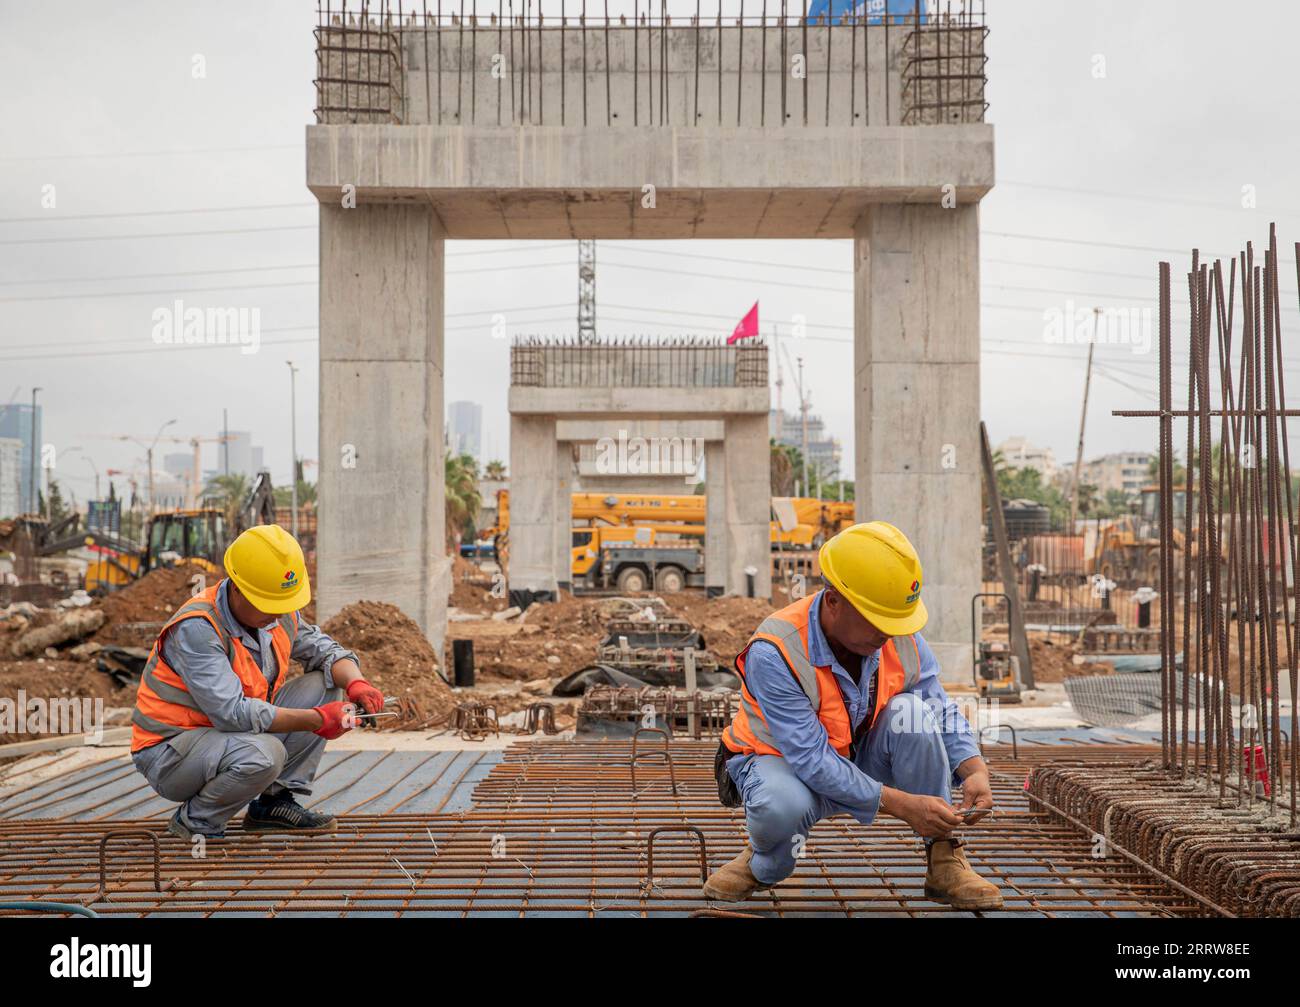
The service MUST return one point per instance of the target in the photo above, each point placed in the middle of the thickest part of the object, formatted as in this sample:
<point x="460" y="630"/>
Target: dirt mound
<point x="727" y="623"/>
<point x="136" y="612"/>
<point x="1054" y="661"/>
<point x="555" y="639"/>
<point x="471" y="589"/>
<point x="48" y="680"/>
<point x="395" y="655"/>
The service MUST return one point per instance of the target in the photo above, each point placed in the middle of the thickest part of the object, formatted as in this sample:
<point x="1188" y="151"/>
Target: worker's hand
<point x="929" y="817"/>
<point x="976" y="793"/>
<point x="336" y="719"/>
<point x="366" y="696"/>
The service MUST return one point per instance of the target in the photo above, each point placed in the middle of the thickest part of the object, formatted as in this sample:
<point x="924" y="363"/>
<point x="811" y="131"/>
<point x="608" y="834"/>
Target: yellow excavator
<point x="194" y="535"/>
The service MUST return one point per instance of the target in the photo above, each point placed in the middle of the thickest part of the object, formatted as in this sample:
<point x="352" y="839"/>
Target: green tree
<point x="229" y="493"/>
<point x="786" y="468"/>
<point x="306" y="494"/>
<point x="1027" y="484"/>
<point x="57" y="505"/>
<point x="494" y="470"/>
<point x="462" y="497"/>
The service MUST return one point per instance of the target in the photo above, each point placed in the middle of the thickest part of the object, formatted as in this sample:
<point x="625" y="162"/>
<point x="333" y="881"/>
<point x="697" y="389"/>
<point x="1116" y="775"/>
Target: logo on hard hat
<point x="916" y="591"/>
<point x="290" y="580"/>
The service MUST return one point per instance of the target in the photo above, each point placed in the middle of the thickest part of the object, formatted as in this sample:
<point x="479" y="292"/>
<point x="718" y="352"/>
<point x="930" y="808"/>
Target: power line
<point x="176" y="152"/>
<point x="51" y="218"/>
<point x="163" y="234"/>
<point x="1113" y="244"/>
<point x="257" y="269"/>
<point x="1144" y="198"/>
<point x="172" y="291"/>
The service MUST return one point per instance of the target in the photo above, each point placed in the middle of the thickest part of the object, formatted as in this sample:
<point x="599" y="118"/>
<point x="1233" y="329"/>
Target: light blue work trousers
<point x="780" y="810"/>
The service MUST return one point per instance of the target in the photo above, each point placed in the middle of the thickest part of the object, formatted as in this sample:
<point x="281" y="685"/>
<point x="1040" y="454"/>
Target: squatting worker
<point x="218" y="722"/>
<point x="841" y="711"/>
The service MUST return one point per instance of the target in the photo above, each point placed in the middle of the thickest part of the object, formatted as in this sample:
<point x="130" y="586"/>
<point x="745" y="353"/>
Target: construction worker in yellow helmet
<point x="221" y="723"/>
<point x="842" y="712"/>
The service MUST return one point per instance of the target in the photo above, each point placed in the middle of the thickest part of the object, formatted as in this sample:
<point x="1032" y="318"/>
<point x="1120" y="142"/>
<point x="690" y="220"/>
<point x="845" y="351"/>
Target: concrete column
<point x="564" y="473"/>
<point x="748" y="507"/>
<point x="916" y="363"/>
<point x="381" y="534"/>
<point x="715" y="518"/>
<point x="533" y="477"/>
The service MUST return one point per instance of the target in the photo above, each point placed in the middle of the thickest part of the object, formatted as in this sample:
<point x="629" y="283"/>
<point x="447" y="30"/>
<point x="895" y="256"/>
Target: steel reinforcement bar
<point x="556" y="831"/>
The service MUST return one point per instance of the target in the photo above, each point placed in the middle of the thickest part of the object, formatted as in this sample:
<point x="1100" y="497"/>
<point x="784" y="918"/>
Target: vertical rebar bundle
<point x="379" y="61"/>
<point x="1228" y="557"/>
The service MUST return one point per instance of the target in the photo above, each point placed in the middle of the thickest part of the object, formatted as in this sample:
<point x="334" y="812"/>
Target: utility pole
<point x="149" y="459"/>
<point x="1083" y="419"/>
<point x="293" y="440"/>
<point x="31" y="429"/>
<point x="803" y="421"/>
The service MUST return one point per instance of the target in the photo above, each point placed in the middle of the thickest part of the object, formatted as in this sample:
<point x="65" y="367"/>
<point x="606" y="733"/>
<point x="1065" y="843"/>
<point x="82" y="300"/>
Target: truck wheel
<point x="632" y="580"/>
<point x="670" y="579"/>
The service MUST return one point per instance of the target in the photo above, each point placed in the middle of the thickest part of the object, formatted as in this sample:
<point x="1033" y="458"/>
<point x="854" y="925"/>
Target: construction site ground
<point x="511" y="824"/>
<point x="543" y="827"/>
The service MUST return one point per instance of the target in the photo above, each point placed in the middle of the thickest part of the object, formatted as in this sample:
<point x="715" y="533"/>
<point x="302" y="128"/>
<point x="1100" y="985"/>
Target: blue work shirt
<point x="193" y="650"/>
<point x="801" y="737"/>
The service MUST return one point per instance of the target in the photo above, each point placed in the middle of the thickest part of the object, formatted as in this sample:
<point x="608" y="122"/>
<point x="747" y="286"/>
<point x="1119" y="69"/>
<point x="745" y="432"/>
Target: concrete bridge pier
<point x="382" y="535"/>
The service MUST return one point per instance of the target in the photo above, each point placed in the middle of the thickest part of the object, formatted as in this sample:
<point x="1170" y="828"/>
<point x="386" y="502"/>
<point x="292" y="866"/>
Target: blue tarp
<point x="873" y="10"/>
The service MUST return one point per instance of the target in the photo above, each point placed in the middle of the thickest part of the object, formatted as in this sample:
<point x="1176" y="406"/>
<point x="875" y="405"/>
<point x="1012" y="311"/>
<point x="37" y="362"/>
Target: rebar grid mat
<point x="1235" y="537"/>
<point x="555" y="831"/>
<point x="1242" y="859"/>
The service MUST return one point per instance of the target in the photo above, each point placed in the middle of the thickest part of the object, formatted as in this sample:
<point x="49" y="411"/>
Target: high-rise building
<point x="11" y="476"/>
<point x="23" y="422"/>
<point x="242" y="455"/>
<point x="823" y="449"/>
<point x="465" y="429"/>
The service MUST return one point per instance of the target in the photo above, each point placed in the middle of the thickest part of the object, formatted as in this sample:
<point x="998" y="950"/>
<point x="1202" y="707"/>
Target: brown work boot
<point x="733" y="881"/>
<point x="950" y="878"/>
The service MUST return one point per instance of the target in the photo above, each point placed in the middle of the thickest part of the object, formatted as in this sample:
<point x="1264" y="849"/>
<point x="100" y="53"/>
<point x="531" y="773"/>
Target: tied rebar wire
<point x="1235" y="537"/>
<point x="378" y="62"/>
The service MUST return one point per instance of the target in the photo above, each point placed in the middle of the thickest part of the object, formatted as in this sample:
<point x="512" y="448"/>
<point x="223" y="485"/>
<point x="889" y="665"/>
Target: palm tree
<point x="460" y="474"/>
<point x="306" y="494"/>
<point x="495" y="470"/>
<point x="786" y="466"/>
<point x="229" y="493"/>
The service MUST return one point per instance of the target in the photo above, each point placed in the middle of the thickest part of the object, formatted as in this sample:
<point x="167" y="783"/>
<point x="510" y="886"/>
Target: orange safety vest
<point x="787" y="630"/>
<point x="164" y="707"/>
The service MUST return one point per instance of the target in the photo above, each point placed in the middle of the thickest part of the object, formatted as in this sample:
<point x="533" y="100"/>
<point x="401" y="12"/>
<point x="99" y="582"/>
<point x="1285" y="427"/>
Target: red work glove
<point x="336" y="719"/>
<point x="366" y="696"/>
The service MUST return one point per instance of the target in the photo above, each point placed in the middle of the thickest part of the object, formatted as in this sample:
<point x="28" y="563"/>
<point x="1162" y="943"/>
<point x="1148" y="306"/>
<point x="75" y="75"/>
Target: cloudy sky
<point x="1125" y="133"/>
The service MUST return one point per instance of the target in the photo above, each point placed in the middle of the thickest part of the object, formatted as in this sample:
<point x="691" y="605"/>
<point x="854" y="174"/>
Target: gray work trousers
<point x="214" y="774"/>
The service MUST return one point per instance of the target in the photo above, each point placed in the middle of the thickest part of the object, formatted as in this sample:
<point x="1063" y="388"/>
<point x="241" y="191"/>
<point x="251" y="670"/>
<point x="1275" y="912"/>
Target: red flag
<point x="748" y="326"/>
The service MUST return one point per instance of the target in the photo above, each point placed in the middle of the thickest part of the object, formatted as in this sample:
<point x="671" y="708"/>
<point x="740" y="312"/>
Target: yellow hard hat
<point x="267" y="565"/>
<point x="875" y="567"/>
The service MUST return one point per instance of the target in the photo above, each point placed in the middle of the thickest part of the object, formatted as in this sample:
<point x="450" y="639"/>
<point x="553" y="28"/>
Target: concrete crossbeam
<point x="544" y="182"/>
